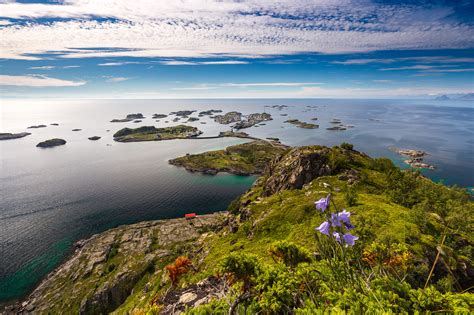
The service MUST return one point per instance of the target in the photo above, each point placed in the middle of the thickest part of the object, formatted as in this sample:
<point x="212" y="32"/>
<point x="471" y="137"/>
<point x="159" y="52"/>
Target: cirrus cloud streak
<point x="36" y="81"/>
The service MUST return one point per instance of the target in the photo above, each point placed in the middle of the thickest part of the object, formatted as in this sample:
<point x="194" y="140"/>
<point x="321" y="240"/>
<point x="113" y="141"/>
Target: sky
<point x="233" y="49"/>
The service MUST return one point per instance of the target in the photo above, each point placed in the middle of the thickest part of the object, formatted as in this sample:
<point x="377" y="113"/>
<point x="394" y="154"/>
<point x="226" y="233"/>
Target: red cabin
<point x="190" y="215"/>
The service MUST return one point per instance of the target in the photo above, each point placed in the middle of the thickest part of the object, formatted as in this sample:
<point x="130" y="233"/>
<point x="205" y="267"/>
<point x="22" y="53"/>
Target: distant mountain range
<point x="463" y="97"/>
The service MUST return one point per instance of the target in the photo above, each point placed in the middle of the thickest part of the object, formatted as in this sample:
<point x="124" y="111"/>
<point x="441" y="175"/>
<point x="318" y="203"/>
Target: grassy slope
<point x="290" y="215"/>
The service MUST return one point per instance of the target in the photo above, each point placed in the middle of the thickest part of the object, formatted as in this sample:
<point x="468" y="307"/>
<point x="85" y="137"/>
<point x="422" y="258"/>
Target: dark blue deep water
<point x="50" y="198"/>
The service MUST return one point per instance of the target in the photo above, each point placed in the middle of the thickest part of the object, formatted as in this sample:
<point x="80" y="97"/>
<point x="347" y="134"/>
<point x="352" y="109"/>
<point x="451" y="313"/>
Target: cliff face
<point x="105" y="268"/>
<point x="302" y="165"/>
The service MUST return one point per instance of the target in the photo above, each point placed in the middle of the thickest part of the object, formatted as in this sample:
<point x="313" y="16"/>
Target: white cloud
<point x="220" y="28"/>
<point x="415" y="67"/>
<point x="274" y="84"/>
<point x="421" y="59"/>
<point x="122" y="63"/>
<point x="197" y="63"/>
<point x="363" y="61"/>
<point x="36" y="81"/>
<point x="70" y="67"/>
<point x="351" y="92"/>
<point x="115" y="79"/>
<point x="5" y="22"/>
<point x="43" y="68"/>
<point x="247" y="85"/>
<point x="224" y="62"/>
<point x="452" y="70"/>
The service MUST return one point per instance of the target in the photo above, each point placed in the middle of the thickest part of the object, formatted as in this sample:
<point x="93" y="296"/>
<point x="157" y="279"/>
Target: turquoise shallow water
<point x="51" y="198"/>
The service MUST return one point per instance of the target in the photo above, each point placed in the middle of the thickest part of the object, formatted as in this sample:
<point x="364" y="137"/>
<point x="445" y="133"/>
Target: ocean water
<point x="50" y="198"/>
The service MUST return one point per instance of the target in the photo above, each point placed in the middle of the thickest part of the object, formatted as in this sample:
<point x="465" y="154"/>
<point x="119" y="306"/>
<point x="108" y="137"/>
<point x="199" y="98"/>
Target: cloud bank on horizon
<point x="87" y="36"/>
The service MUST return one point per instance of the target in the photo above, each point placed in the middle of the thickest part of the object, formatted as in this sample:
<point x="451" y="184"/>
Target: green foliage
<point x="277" y="291"/>
<point x="111" y="267"/>
<point x="150" y="132"/>
<point x="432" y="300"/>
<point x="350" y="196"/>
<point x="388" y="259"/>
<point x="289" y="253"/>
<point x="347" y="146"/>
<point x="241" y="267"/>
<point x="403" y="187"/>
<point x="215" y="307"/>
<point x="234" y="206"/>
<point x="383" y="165"/>
<point x="113" y="250"/>
<point x="247" y="158"/>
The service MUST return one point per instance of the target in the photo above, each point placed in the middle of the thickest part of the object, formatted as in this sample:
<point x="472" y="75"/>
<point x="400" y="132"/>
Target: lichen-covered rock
<point x="303" y="164"/>
<point x="105" y="268"/>
<point x="177" y="301"/>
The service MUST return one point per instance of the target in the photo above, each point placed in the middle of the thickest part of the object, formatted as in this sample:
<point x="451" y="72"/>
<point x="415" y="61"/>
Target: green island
<point x="249" y="158"/>
<point x="264" y="255"/>
<point x="302" y="124"/>
<point x="151" y="133"/>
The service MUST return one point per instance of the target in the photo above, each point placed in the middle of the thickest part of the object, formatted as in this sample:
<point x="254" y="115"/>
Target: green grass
<point x="247" y="158"/>
<point x="150" y="133"/>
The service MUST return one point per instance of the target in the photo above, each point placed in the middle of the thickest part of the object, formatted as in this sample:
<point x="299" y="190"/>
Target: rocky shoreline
<point x="104" y="269"/>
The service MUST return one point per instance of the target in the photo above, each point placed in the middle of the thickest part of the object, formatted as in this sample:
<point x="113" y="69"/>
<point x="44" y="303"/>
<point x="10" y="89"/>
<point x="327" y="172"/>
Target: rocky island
<point x="159" y="116"/>
<point x="228" y="118"/>
<point x="51" y="143"/>
<point x="9" y="136"/>
<point x="209" y="112"/>
<point x="36" y="126"/>
<point x="416" y="158"/>
<point x="301" y="124"/>
<point x="340" y="128"/>
<point x="94" y="138"/>
<point x="252" y="120"/>
<point x="129" y="117"/>
<point x="243" y="159"/>
<point x="183" y="113"/>
<point x="151" y="133"/>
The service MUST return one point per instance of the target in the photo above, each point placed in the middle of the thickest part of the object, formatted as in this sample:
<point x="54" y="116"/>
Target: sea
<point x="50" y="198"/>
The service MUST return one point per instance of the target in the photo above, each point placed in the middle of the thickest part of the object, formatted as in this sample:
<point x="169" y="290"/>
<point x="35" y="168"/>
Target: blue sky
<point x="204" y="48"/>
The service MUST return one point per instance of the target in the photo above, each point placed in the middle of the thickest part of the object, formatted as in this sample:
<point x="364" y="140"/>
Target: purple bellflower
<point x="336" y="220"/>
<point x="323" y="203"/>
<point x="324" y="228"/>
